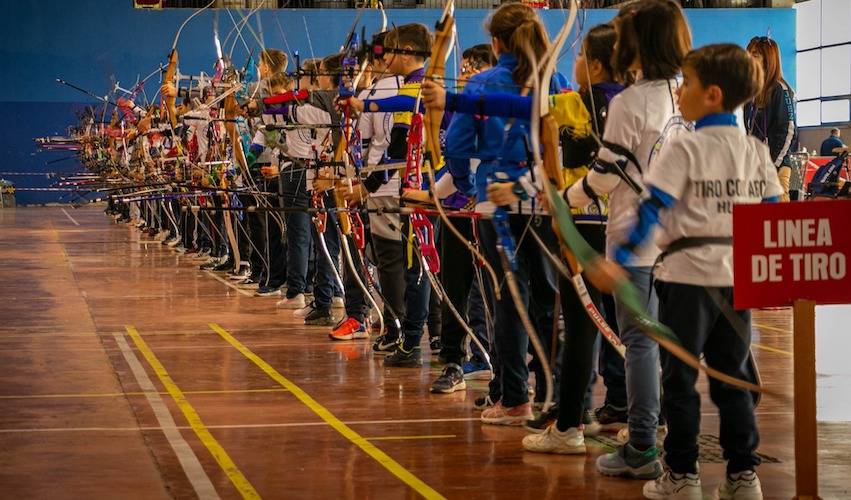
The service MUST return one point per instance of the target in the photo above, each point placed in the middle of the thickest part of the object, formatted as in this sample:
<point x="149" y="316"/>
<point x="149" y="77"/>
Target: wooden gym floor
<point x="125" y="372"/>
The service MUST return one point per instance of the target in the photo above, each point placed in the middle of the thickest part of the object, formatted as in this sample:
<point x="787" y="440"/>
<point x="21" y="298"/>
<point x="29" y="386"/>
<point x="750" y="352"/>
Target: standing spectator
<point x="770" y="116"/>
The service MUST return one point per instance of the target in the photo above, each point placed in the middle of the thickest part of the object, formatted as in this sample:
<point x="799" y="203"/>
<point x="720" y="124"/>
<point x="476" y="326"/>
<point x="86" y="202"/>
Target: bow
<point x="349" y="152"/>
<point x="443" y="37"/>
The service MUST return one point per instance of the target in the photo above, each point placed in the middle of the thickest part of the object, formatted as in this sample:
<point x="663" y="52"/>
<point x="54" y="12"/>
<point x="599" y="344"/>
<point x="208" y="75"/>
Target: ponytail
<point x="519" y="30"/>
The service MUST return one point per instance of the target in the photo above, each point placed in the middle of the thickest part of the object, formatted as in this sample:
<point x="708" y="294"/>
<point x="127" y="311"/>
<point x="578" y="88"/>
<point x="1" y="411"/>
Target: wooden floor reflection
<point x="261" y="403"/>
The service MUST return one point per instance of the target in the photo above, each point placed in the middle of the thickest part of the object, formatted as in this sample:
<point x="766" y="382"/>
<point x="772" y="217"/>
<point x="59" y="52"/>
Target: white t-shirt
<point x="639" y="120"/>
<point x="708" y="171"/>
<point x="377" y="127"/>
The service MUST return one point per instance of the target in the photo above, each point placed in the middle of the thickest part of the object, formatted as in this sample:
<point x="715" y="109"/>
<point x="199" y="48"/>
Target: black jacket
<point x="775" y="124"/>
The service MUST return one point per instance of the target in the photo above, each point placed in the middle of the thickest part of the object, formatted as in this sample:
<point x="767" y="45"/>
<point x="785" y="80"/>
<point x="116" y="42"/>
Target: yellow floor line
<point x="405" y="438"/>
<point x="219" y="454"/>
<point x="774" y="328"/>
<point x="370" y="449"/>
<point x="770" y="349"/>
<point x="119" y="394"/>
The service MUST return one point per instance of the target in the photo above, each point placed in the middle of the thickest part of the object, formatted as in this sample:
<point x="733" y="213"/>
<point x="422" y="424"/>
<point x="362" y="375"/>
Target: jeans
<point x="298" y="230"/>
<point x="534" y="278"/>
<point x="642" y="364"/>
<point x="702" y="328"/>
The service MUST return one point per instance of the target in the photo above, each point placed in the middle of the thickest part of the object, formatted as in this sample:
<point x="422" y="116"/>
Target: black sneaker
<point x="268" y="291"/>
<point x="611" y="418"/>
<point x="404" y="359"/>
<point x="544" y="420"/>
<point x="434" y="344"/>
<point x="385" y="345"/>
<point x="319" y="317"/>
<point x="451" y="380"/>
<point x="483" y="403"/>
<point x="227" y="265"/>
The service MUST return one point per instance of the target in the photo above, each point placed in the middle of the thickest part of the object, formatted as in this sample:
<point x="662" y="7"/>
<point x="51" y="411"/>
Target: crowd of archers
<point x="378" y="203"/>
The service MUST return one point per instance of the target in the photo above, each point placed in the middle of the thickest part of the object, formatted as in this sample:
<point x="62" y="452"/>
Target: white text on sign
<point x="809" y="266"/>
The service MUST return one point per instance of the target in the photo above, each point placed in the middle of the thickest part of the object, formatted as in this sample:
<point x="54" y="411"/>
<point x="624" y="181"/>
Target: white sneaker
<point x="338" y="303"/>
<point x="671" y="485"/>
<point x="174" y="241"/>
<point x="740" y="486"/>
<point x="297" y="302"/>
<point x="552" y="440"/>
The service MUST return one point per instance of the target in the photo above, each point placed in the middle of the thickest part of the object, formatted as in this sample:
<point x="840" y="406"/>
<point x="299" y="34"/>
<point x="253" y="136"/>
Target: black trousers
<point x="581" y="333"/>
<point x="702" y="328"/>
<point x="537" y="285"/>
<point x="456" y="273"/>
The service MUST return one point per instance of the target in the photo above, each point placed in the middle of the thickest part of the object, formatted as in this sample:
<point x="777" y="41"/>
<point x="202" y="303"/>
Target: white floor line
<point x="229" y="284"/>
<point x="69" y="217"/>
<point x="188" y="460"/>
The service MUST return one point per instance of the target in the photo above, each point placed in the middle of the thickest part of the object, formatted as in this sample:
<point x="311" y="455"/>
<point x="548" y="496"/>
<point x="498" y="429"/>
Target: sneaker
<point x="304" y="311"/>
<point x="248" y="283"/>
<point x="611" y="418"/>
<point x="400" y="358"/>
<point x="240" y="274"/>
<point x="349" y="329"/>
<point x="590" y="426"/>
<point x="740" y="486"/>
<point x="211" y="264"/>
<point x="385" y="345"/>
<point x="552" y="440"/>
<point x="319" y="316"/>
<point x="661" y="432"/>
<point x="295" y="302"/>
<point x="266" y="290"/>
<point x="544" y="420"/>
<point x="225" y="265"/>
<point x="629" y="462"/>
<point x="450" y="380"/>
<point x="338" y="303"/>
<point x="177" y="240"/>
<point x="434" y="344"/>
<point x="477" y="370"/>
<point x="180" y="249"/>
<point x="671" y="485"/>
<point x="501" y="415"/>
<point x="483" y="403"/>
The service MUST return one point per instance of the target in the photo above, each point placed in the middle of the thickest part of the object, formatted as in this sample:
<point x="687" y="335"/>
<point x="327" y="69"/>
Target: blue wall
<point x="87" y="41"/>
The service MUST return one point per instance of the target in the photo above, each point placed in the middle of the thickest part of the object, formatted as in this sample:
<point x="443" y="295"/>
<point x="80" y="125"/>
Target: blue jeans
<point x="642" y="363"/>
<point x="325" y="286"/>
<point x="298" y="231"/>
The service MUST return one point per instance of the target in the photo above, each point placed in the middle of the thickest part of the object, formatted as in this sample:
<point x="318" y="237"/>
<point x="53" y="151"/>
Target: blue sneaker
<point x="477" y="370"/>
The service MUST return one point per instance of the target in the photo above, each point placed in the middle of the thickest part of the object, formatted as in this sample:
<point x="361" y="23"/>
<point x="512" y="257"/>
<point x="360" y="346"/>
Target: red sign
<point x="788" y="251"/>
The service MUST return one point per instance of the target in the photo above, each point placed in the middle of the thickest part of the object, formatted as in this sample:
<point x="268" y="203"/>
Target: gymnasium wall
<point x="87" y="41"/>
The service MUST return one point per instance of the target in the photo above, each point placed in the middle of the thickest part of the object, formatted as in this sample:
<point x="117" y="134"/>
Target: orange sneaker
<point x="349" y="329"/>
<point x="502" y="415"/>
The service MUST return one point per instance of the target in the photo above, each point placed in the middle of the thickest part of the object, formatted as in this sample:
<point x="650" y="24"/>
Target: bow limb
<point x="544" y="135"/>
<point x="171" y="70"/>
<point x="444" y="30"/>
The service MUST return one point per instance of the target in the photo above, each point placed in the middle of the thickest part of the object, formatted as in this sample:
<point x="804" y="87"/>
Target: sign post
<point x="795" y="254"/>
